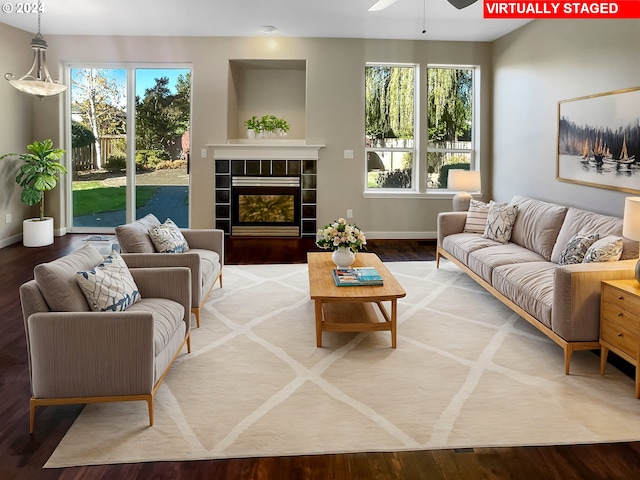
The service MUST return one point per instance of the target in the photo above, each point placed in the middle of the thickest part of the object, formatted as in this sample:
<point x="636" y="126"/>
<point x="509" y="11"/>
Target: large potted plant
<point x="38" y="173"/>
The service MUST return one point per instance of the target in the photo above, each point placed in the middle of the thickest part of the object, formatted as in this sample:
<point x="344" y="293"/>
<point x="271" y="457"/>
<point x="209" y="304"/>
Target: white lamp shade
<point x="465" y="180"/>
<point x="631" y="220"/>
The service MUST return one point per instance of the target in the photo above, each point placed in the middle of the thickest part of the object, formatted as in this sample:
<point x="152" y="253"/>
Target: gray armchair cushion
<point x="134" y="237"/>
<point x="57" y="279"/>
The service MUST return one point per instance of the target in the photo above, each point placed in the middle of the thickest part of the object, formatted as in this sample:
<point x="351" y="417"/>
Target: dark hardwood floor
<point x="22" y="455"/>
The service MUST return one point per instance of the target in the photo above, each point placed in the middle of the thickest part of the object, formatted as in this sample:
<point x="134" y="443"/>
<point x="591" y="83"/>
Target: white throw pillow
<point x="607" y="249"/>
<point x="109" y="286"/>
<point x="167" y="238"/>
<point x="476" y="217"/>
<point x="500" y="222"/>
<point x="575" y="250"/>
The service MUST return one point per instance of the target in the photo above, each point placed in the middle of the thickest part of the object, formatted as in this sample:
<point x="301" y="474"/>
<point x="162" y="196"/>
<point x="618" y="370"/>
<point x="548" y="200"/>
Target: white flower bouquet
<point x="341" y="234"/>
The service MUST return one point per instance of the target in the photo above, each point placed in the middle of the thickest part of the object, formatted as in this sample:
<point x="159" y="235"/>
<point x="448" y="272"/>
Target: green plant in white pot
<point x="38" y="173"/>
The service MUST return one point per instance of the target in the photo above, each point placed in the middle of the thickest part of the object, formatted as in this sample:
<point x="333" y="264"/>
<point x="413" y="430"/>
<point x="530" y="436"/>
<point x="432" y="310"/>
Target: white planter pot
<point x="37" y="233"/>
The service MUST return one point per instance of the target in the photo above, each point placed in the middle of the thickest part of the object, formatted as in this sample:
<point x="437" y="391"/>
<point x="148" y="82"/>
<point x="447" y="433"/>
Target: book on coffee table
<point x="353" y="277"/>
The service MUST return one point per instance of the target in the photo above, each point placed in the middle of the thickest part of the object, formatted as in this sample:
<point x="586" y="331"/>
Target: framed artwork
<point x="599" y="140"/>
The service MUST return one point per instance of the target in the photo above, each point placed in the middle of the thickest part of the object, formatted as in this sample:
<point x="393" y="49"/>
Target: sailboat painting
<point x="599" y="140"/>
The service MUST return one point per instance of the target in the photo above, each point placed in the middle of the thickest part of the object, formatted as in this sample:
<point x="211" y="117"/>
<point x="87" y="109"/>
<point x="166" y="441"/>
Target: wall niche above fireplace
<point x="267" y="87"/>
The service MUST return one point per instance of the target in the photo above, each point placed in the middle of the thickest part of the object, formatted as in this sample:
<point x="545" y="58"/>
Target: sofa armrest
<point x="90" y="354"/>
<point x="450" y="223"/>
<point x="576" y="297"/>
<point x="173" y="283"/>
<point x="163" y="260"/>
<point x="205" y="239"/>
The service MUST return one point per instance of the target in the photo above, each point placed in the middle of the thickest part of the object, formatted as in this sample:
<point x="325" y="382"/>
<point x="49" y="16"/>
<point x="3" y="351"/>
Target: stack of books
<point x="355" y="277"/>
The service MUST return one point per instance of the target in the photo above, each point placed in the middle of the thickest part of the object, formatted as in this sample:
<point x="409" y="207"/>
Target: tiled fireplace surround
<point x="243" y="164"/>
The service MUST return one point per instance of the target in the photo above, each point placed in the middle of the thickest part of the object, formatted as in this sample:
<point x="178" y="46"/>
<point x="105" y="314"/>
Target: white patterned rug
<point x="467" y="372"/>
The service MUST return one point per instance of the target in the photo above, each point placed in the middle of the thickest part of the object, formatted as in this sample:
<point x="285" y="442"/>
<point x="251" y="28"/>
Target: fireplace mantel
<point x="265" y="149"/>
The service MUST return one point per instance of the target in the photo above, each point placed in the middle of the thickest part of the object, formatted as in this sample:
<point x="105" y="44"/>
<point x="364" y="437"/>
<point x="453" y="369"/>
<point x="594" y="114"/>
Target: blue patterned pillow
<point x="167" y="238"/>
<point x="575" y="250"/>
<point x="109" y="287"/>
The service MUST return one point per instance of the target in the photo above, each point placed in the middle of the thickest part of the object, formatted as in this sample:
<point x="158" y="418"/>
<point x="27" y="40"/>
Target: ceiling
<point x="292" y="18"/>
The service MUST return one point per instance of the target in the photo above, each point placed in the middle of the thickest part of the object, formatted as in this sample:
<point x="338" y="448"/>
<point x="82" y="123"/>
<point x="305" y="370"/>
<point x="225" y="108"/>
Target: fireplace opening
<point x="265" y="206"/>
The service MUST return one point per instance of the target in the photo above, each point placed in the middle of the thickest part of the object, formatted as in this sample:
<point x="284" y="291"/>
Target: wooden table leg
<point x="318" y="304"/>
<point x="394" y="317"/>
<point x="604" y="351"/>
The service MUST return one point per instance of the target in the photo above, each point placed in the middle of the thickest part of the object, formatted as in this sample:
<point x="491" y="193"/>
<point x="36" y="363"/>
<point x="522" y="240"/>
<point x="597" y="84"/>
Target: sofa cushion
<point x="529" y="285"/>
<point x="485" y="260"/>
<point x="168" y="316"/>
<point x="209" y="266"/>
<point x="476" y="217"/>
<point x="134" y="237"/>
<point x="607" y="249"/>
<point x="461" y="244"/>
<point x="500" y="222"/>
<point x="576" y="248"/>
<point x="109" y="287"/>
<point x="582" y="221"/>
<point x="57" y="279"/>
<point x="167" y="238"/>
<point x="537" y="225"/>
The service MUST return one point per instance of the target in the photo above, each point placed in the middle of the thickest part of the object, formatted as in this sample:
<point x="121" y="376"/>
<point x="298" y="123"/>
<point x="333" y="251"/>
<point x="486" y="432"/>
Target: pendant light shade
<point x="37" y="81"/>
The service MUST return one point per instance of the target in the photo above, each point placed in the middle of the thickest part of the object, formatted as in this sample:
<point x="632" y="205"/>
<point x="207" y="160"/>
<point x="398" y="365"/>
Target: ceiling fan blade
<point x="381" y="5"/>
<point x="460" y="4"/>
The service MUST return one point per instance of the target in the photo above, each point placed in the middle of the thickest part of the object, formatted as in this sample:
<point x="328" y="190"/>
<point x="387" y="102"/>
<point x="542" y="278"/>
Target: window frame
<point x="420" y="149"/>
<point x="415" y="165"/>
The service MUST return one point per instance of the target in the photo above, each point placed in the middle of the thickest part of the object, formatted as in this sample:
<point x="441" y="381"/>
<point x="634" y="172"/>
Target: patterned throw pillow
<point x="607" y="249"/>
<point x="109" y="286"/>
<point x="167" y="238"/>
<point x="575" y="250"/>
<point x="476" y="217"/>
<point x="500" y="222"/>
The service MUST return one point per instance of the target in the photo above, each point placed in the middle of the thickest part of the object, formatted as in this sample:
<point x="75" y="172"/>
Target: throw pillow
<point x="476" y="217"/>
<point x="607" y="249"/>
<point x="575" y="250"/>
<point x="109" y="286"/>
<point x="500" y="220"/>
<point x="167" y="238"/>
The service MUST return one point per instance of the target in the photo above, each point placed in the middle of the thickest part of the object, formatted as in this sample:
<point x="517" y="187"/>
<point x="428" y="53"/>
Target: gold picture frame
<point x="598" y="140"/>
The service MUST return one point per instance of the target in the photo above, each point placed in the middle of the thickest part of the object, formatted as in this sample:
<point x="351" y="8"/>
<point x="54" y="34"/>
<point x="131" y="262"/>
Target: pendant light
<point x="37" y="81"/>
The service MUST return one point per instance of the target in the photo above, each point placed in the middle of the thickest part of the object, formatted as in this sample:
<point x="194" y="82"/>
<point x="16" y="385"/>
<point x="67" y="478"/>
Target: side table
<point x="620" y="323"/>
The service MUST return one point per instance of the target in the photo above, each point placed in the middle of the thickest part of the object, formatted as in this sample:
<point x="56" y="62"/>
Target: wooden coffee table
<point x="351" y="309"/>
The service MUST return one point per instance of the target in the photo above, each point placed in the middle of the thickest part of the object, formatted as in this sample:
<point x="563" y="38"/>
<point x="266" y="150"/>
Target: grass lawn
<point x="93" y="197"/>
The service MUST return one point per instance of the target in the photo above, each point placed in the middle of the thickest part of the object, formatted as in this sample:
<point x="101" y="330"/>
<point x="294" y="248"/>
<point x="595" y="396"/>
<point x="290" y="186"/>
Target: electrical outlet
<point x="348" y="154"/>
<point x="203" y="153"/>
<point x="7" y="218"/>
<point x="349" y="213"/>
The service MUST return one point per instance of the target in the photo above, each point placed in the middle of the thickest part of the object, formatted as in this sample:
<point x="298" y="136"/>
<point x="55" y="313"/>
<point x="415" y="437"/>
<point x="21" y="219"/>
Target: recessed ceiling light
<point x="268" y="28"/>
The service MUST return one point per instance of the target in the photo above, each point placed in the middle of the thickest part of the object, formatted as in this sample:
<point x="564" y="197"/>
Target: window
<point x="450" y="123"/>
<point x="390" y="126"/>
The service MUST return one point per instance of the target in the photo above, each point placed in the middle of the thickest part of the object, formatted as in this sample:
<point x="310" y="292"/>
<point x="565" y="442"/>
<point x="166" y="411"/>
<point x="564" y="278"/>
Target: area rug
<point x="467" y="372"/>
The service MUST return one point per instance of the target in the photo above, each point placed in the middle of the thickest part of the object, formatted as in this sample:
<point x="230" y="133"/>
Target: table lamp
<point x="464" y="181"/>
<point x="631" y="224"/>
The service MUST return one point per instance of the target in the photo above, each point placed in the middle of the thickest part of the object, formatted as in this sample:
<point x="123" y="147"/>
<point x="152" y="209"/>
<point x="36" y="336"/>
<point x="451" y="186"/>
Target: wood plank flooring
<point x="22" y="455"/>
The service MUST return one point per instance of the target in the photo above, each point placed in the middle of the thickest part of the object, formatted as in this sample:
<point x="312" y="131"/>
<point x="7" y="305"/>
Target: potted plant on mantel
<point x="37" y="174"/>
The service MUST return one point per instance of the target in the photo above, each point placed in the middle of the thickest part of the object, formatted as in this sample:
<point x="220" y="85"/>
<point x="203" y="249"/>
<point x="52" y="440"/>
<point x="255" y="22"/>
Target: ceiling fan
<point x="382" y="4"/>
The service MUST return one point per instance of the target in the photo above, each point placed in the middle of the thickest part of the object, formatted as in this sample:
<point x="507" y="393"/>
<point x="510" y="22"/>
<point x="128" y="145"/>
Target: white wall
<point x="544" y="62"/>
<point x="334" y="110"/>
<point x="17" y="110"/>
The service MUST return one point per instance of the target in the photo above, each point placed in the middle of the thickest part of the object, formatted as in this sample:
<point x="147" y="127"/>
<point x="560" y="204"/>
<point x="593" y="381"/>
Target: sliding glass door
<point x="129" y="144"/>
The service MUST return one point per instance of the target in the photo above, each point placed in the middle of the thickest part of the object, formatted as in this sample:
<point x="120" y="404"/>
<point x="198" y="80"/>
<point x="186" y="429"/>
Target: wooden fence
<point x="85" y="158"/>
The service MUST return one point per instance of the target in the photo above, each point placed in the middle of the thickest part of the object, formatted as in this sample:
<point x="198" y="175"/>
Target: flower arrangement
<point x="341" y="234"/>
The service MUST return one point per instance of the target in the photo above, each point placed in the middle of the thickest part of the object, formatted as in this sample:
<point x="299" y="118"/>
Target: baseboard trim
<point x="401" y="235"/>
<point x="10" y="240"/>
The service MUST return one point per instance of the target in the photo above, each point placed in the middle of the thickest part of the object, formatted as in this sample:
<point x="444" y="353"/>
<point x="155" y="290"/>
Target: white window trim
<point x="415" y="169"/>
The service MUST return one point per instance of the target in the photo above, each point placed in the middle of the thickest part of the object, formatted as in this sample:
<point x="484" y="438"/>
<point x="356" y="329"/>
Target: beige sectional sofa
<point x="562" y="301"/>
